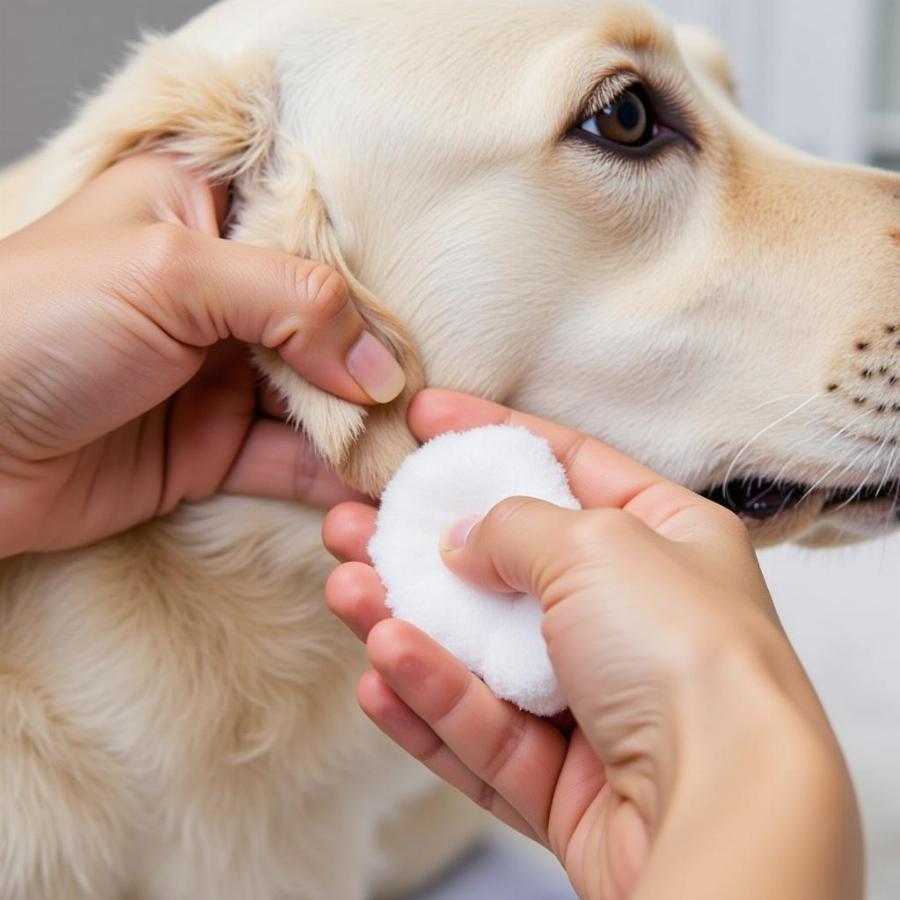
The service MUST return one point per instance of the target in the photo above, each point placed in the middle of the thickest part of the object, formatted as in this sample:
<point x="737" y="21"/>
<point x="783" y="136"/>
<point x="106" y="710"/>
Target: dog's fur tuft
<point x="283" y="209"/>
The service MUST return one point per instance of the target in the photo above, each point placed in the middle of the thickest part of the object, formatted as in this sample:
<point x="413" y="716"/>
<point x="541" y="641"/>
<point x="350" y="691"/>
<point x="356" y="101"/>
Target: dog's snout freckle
<point x="862" y="345"/>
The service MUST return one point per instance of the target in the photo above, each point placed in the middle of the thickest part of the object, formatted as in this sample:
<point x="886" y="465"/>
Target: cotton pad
<point x="453" y="477"/>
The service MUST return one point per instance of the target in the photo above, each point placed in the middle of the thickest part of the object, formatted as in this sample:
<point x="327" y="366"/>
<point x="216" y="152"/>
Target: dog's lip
<point x="759" y="498"/>
<point x="867" y="493"/>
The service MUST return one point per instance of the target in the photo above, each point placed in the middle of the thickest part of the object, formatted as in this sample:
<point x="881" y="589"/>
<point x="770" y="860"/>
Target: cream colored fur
<point x="177" y="714"/>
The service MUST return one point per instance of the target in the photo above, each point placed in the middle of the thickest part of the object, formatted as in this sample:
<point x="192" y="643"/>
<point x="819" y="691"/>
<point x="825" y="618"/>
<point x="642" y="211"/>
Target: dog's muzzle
<point x="762" y="498"/>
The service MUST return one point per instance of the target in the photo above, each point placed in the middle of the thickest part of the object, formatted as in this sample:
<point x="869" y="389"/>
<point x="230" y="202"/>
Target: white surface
<point x="455" y="477"/>
<point x="841" y="609"/>
<point x="503" y="870"/>
<point x="804" y="67"/>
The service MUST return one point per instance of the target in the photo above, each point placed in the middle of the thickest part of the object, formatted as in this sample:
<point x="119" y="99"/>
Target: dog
<point x="558" y="205"/>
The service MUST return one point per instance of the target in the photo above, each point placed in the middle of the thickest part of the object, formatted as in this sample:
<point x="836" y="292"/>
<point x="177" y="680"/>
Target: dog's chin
<point x="825" y="517"/>
<point x="853" y="524"/>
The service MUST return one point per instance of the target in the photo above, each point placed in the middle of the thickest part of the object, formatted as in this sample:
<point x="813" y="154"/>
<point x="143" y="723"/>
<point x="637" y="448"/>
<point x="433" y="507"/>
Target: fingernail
<point x="454" y="538"/>
<point x="375" y="369"/>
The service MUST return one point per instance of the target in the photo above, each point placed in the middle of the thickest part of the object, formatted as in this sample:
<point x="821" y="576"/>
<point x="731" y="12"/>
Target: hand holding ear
<point x="125" y="385"/>
<point x="700" y="751"/>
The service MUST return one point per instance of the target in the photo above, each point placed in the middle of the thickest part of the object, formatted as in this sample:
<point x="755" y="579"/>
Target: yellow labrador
<point x="554" y="204"/>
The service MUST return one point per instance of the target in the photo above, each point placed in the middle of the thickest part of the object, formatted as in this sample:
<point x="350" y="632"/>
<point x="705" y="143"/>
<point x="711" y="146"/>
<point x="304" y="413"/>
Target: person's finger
<point x="355" y="595"/>
<point x="199" y="290"/>
<point x="523" y="544"/>
<point x="600" y="476"/>
<point x="379" y="702"/>
<point x="206" y="425"/>
<point x="271" y="402"/>
<point x="677" y="513"/>
<point x="220" y="195"/>
<point x="516" y="754"/>
<point x="277" y="461"/>
<point x="347" y="531"/>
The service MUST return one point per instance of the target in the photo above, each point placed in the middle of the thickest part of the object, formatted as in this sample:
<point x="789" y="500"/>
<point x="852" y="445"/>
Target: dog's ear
<point x="284" y="210"/>
<point x="701" y="50"/>
<point x="221" y="116"/>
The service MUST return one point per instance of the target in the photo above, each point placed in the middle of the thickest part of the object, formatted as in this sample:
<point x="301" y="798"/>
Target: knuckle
<point x="597" y="526"/>
<point x="429" y="752"/>
<point x="574" y="450"/>
<point x="336" y="591"/>
<point x="485" y="796"/>
<point x="458" y="699"/>
<point x="509" y="511"/>
<point x="729" y="522"/>
<point x="162" y="253"/>
<point x="325" y="291"/>
<point x="507" y="745"/>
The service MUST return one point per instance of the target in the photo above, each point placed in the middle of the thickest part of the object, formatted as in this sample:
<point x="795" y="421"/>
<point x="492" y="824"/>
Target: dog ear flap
<point x="221" y="116"/>
<point x="365" y="444"/>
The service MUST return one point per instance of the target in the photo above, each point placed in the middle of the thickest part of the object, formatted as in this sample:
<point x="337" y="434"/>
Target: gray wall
<point x="51" y="50"/>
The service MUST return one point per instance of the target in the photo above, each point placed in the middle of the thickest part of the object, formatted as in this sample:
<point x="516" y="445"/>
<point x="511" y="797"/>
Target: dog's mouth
<point x="762" y="498"/>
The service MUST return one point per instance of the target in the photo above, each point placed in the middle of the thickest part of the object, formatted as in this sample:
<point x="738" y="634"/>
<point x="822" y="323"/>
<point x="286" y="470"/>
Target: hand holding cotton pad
<point x="453" y="477"/>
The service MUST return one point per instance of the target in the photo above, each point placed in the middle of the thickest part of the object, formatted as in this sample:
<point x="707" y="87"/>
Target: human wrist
<point x="756" y="779"/>
<point x="726" y="695"/>
<point x="744" y="689"/>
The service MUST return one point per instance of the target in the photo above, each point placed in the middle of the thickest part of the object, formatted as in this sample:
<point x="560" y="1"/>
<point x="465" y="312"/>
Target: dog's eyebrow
<point x="623" y="38"/>
<point x="635" y="28"/>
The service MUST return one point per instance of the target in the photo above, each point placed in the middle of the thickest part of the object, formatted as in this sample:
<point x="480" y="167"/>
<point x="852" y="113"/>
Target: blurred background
<point x="824" y="76"/>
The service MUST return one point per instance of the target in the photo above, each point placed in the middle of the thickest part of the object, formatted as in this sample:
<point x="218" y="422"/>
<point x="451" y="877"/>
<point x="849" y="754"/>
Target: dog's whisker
<point x="862" y="482"/>
<point x="846" y="467"/>
<point x="775" y="400"/>
<point x="886" y="479"/>
<point x="761" y="432"/>
<point x="842" y="466"/>
<point x="889" y="466"/>
<point x="811" y="437"/>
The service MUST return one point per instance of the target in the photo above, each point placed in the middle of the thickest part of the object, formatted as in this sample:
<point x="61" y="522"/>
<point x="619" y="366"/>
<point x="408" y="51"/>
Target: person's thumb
<point x="518" y="547"/>
<point x="200" y="289"/>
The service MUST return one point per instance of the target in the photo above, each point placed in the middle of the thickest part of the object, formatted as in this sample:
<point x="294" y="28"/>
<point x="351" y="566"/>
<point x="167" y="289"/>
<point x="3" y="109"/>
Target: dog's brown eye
<point x="627" y="121"/>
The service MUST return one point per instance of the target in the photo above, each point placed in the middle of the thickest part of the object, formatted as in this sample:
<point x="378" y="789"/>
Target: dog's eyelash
<point x="609" y="90"/>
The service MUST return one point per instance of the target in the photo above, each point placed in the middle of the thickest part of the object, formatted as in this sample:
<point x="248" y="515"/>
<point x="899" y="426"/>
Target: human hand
<point x="125" y="385"/>
<point x="660" y="628"/>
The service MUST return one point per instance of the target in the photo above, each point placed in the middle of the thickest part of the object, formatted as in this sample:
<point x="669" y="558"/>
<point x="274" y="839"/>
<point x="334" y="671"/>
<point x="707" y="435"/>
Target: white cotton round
<point x="453" y="477"/>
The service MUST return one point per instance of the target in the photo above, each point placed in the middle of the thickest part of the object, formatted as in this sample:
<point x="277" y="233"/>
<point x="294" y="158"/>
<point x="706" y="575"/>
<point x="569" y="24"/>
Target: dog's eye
<point x="628" y="120"/>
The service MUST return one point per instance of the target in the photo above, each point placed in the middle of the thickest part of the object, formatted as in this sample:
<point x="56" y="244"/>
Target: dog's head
<point x="560" y="206"/>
